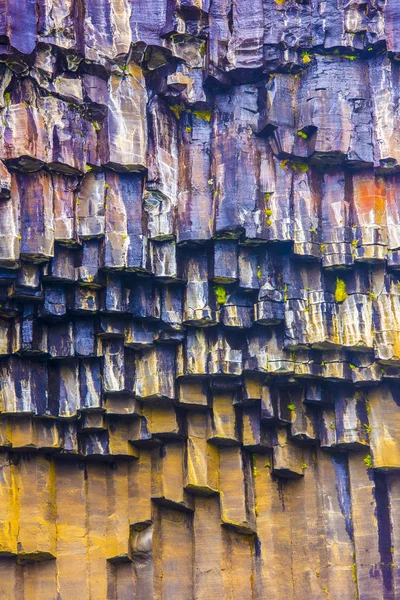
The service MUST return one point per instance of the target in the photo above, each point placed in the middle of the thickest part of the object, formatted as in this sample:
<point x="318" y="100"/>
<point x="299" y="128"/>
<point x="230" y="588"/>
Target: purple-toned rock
<point x="124" y="133"/>
<point x="64" y="208"/>
<point x="90" y="204"/>
<point x="106" y="30"/>
<point x="35" y="199"/>
<point x="196" y="184"/>
<point x="123" y="222"/>
<point x="245" y="47"/>
<point x="161" y="194"/>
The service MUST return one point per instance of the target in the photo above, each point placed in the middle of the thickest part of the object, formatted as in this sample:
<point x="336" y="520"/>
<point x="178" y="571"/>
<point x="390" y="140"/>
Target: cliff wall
<point x="199" y="299"/>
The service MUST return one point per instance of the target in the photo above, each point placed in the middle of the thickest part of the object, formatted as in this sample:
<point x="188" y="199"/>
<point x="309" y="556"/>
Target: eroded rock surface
<point x="199" y="299"/>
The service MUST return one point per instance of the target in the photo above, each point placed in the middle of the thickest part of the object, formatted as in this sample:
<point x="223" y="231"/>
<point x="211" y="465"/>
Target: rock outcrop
<point x="199" y="299"/>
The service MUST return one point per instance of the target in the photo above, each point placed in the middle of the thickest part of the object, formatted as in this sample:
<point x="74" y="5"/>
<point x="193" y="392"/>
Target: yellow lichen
<point x="204" y="115"/>
<point x="256" y="472"/>
<point x="306" y="57"/>
<point x="177" y="109"/>
<point x="302" y="135"/>
<point x="368" y="461"/>
<point x="297" y="167"/>
<point x="354" y="575"/>
<point x="221" y="294"/>
<point x="326" y="591"/>
<point x="301" y="167"/>
<point x="340" y="291"/>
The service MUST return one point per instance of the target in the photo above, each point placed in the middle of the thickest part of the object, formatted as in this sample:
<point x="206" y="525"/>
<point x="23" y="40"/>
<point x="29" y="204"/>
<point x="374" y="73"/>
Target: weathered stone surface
<point x="199" y="299"/>
<point x="124" y="133"/>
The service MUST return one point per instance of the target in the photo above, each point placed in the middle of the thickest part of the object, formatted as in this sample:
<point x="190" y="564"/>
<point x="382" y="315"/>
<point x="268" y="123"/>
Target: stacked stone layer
<point x="199" y="299"/>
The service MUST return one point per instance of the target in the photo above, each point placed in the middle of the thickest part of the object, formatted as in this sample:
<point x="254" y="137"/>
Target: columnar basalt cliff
<point x="199" y="299"/>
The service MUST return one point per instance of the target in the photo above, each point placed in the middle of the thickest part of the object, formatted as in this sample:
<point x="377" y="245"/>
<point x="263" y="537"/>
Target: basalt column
<point x="199" y="300"/>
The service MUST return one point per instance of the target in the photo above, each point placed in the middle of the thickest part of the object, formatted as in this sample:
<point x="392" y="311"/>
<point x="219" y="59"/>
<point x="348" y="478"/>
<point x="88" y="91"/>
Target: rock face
<point x="199" y="299"/>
